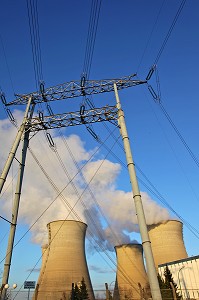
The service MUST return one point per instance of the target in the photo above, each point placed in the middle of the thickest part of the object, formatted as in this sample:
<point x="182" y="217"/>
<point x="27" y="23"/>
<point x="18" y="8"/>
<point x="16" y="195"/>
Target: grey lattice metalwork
<point x="107" y="113"/>
<point x="77" y="88"/>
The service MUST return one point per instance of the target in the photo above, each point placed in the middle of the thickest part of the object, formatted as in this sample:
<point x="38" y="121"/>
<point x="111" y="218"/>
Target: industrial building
<point x="64" y="261"/>
<point x="185" y="273"/>
<point x="167" y="241"/>
<point x="169" y="249"/>
<point x="131" y="277"/>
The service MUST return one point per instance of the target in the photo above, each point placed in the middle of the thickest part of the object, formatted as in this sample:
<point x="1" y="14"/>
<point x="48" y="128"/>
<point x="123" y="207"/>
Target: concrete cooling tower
<point x="45" y="252"/>
<point x="64" y="261"/>
<point x="131" y="276"/>
<point x="167" y="242"/>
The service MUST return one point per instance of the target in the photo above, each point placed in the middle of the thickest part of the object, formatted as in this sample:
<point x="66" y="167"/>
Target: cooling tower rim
<point x="138" y="245"/>
<point x="164" y="222"/>
<point x="66" y="221"/>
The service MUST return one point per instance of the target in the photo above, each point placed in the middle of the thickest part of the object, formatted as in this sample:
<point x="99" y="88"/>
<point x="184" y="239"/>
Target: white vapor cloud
<point x="37" y="194"/>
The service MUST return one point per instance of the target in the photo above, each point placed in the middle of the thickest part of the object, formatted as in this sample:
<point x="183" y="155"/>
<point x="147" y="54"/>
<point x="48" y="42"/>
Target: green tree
<point x="166" y="285"/>
<point x="75" y="292"/>
<point x="79" y="291"/>
<point x="165" y="291"/>
<point x="83" y="292"/>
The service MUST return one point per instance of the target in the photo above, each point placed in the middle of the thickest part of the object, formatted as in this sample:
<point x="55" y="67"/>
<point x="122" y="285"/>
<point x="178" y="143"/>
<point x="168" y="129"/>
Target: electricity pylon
<point x="109" y="113"/>
<point x="75" y="89"/>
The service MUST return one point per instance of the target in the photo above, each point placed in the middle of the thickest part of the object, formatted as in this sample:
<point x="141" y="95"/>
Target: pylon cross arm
<point x="74" y="89"/>
<point x="107" y="113"/>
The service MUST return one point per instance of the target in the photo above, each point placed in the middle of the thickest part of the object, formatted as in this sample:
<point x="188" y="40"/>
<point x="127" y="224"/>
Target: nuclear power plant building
<point x="131" y="276"/>
<point x="64" y="261"/>
<point x="185" y="273"/>
<point x="167" y="242"/>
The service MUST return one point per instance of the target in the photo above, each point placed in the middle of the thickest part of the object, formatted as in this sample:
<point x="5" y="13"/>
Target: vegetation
<point x="79" y="292"/>
<point x="167" y="285"/>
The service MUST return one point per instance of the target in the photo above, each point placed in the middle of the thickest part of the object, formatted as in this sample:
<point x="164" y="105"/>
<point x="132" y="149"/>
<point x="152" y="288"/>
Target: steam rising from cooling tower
<point x="167" y="242"/>
<point x="101" y="175"/>
<point x="131" y="276"/>
<point x="64" y="261"/>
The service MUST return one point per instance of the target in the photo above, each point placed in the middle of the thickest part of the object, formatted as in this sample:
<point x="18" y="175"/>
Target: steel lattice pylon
<point x="70" y="90"/>
<point x="74" y="89"/>
<point x="107" y="113"/>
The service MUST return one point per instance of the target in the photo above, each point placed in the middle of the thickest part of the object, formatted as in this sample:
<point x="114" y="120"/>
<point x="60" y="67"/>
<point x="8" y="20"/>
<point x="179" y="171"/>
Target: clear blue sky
<point x="123" y="31"/>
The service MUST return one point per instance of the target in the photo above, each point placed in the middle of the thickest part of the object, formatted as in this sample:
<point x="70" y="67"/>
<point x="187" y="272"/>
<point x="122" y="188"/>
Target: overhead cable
<point x="194" y="158"/>
<point x="88" y="186"/>
<point x="59" y="193"/>
<point x="91" y="36"/>
<point x="170" y="31"/>
<point x="150" y="36"/>
<point x="6" y="61"/>
<point x="90" y="44"/>
<point x="89" y="215"/>
<point x="158" y="99"/>
<point x="35" y="40"/>
<point x="152" y="189"/>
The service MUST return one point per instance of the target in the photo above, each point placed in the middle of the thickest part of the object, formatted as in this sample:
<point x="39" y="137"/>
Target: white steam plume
<point x="37" y="194"/>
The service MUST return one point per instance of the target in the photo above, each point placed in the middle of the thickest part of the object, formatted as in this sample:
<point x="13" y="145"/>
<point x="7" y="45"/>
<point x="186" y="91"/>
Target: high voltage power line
<point x="35" y="39"/>
<point x="91" y="37"/>
<point x="170" y="31"/>
<point x="158" y="99"/>
<point x="88" y="56"/>
<point x="72" y="209"/>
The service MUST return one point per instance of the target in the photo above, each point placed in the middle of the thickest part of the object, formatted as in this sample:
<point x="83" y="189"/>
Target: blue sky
<point x="123" y="32"/>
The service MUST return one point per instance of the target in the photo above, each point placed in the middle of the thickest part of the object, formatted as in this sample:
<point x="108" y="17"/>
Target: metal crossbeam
<point x="107" y="113"/>
<point x="77" y="88"/>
